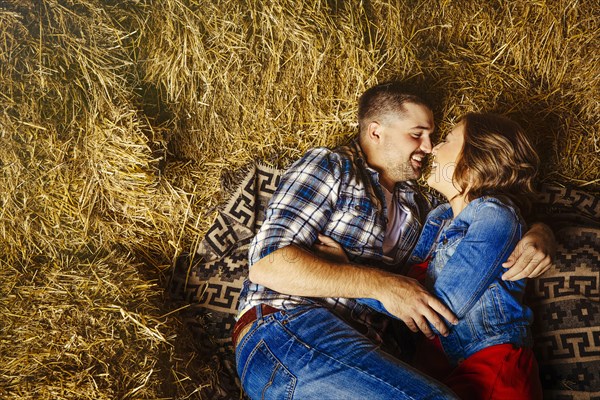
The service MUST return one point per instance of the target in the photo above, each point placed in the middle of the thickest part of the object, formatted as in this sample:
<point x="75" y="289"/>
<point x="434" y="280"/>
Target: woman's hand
<point x="329" y="249"/>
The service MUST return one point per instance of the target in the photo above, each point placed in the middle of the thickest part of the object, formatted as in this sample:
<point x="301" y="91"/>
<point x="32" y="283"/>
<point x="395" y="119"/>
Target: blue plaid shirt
<point x="335" y="193"/>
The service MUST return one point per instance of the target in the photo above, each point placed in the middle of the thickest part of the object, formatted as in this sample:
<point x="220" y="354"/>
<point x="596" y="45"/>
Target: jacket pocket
<point x="446" y="246"/>
<point x="495" y="314"/>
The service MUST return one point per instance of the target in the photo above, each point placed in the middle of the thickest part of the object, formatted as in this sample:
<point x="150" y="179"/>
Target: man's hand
<point x="402" y="296"/>
<point x="329" y="249"/>
<point x="533" y="255"/>
<point x="405" y="298"/>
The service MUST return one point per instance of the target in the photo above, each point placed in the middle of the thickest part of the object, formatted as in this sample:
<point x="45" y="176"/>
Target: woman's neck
<point x="458" y="203"/>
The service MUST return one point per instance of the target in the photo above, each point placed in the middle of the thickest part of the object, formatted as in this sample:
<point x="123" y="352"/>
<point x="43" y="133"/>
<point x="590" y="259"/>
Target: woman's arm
<point x="478" y="258"/>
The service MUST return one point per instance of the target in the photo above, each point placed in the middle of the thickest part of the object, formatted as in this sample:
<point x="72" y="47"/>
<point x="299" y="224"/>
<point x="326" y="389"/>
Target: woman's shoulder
<point x="497" y="207"/>
<point x="442" y="211"/>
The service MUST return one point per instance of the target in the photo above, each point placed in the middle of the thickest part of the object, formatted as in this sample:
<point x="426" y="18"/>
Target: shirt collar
<point x="361" y="159"/>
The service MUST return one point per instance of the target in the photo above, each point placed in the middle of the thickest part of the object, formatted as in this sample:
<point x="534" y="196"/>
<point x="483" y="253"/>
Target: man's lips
<point x="417" y="160"/>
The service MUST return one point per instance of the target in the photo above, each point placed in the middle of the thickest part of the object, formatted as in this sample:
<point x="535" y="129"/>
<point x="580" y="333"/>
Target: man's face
<point x="405" y="141"/>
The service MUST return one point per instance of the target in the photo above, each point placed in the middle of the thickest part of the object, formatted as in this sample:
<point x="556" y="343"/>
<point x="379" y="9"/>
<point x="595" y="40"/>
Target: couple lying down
<point x="350" y="246"/>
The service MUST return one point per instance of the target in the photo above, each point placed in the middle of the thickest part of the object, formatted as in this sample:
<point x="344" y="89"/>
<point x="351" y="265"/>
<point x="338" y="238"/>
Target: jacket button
<point x="445" y="241"/>
<point x="357" y="208"/>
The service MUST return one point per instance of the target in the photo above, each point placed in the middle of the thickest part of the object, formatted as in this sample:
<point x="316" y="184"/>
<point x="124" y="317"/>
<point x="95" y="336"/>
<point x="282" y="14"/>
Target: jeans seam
<point x="315" y="349"/>
<point x="364" y="372"/>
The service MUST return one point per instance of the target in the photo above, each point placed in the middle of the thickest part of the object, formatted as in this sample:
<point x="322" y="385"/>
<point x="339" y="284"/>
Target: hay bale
<point x="88" y="224"/>
<point x="125" y="123"/>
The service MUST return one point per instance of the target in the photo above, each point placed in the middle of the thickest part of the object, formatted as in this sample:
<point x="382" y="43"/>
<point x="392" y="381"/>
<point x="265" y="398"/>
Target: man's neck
<point x="388" y="184"/>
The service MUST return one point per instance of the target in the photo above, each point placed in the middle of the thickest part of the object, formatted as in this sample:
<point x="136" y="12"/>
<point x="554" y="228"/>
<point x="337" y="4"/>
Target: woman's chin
<point x="432" y="181"/>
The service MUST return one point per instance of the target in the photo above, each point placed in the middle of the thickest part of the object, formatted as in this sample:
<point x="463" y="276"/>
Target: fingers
<point x="441" y="309"/>
<point x="421" y="322"/>
<point x="411" y="325"/>
<point x="529" y="264"/>
<point x="509" y="263"/>
<point x="327" y="241"/>
<point x="532" y="255"/>
<point x="520" y="267"/>
<point x="426" y="312"/>
<point x="324" y="250"/>
<point x="416" y="307"/>
<point x="423" y="326"/>
<point x="543" y="266"/>
<point x="332" y="253"/>
<point x="533" y="269"/>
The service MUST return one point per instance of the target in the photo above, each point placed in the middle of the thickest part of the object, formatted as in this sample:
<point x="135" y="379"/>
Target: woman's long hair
<point x="497" y="159"/>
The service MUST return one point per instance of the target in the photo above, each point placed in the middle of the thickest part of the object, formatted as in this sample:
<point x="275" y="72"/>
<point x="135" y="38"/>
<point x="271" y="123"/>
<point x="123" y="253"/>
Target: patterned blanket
<point x="565" y="300"/>
<point x="212" y="277"/>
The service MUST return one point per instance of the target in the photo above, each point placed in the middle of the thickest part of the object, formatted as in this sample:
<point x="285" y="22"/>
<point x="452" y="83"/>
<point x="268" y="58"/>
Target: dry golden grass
<point x="123" y="125"/>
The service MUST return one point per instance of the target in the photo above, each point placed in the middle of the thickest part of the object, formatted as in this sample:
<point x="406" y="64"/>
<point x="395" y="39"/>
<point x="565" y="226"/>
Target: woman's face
<point x="445" y="156"/>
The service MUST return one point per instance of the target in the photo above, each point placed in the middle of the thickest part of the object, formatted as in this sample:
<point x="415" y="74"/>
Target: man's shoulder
<point x="345" y="152"/>
<point x="338" y="160"/>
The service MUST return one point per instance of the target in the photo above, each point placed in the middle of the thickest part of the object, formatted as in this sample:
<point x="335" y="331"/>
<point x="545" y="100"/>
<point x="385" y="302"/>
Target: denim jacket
<point x="464" y="272"/>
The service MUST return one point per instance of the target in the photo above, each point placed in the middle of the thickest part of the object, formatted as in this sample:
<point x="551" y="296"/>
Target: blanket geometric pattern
<point x="211" y="278"/>
<point x="566" y="306"/>
<point x="565" y="300"/>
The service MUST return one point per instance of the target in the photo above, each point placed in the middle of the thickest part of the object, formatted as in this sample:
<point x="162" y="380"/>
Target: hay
<point x="124" y="124"/>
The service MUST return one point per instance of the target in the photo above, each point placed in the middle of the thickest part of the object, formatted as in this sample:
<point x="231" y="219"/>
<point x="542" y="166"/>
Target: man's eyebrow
<point x="421" y="127"/>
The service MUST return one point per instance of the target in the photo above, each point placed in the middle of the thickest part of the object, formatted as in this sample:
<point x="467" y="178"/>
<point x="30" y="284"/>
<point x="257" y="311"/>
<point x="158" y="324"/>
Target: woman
<point x="485" y="168"/>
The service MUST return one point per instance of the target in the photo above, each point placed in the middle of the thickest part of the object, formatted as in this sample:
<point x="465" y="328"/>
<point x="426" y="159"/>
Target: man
<point x="301" y="333"/>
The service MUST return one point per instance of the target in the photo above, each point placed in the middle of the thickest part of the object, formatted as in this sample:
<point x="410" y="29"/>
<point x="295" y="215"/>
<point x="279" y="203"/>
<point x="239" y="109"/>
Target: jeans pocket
<point x="265" y="377"/>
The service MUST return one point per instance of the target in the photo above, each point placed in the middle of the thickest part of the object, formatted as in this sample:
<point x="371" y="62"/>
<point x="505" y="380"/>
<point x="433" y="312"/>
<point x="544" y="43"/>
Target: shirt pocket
<point x="354" y="222"/>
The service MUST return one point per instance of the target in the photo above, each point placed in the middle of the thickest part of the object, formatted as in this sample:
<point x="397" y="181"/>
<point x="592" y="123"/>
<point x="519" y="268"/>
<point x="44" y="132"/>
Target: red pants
<point x="500" y="372"/>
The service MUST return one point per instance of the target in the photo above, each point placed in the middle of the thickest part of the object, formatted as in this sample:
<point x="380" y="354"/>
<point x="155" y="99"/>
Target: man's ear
<point x="374" y="131"/>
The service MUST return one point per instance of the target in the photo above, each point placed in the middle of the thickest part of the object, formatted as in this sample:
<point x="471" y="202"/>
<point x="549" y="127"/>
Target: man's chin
<point x="416" y="174"/>
<point x="408" y="173"/>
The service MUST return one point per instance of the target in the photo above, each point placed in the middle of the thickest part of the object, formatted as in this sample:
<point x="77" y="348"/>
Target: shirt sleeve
<point x="301" y="206"/>
<point x="478" y="258"/>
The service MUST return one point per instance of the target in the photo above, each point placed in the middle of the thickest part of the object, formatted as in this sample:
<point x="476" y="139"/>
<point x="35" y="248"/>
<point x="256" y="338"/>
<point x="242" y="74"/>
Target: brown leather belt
<point x="242" y="326"/>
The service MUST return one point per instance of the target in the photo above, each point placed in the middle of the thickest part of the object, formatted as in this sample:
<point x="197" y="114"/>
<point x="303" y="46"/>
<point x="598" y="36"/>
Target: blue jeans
<point x="309" y="353"/>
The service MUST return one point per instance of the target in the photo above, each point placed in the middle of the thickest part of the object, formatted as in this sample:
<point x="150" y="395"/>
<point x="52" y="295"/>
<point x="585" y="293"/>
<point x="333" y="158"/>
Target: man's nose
<point x="425" y="144"/>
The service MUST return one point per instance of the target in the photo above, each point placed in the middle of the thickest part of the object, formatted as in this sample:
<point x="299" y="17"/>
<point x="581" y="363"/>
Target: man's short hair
<point x="384" y="99"/>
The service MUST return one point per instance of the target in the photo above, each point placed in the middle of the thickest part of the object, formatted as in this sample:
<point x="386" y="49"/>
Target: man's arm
<point x="533" y="255"/>
<point x="295" y="271"/>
